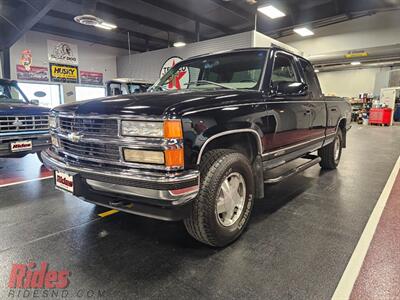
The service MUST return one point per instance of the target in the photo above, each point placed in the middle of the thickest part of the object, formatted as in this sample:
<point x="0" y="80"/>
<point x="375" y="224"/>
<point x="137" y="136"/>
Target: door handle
<point x="333" y="109"/>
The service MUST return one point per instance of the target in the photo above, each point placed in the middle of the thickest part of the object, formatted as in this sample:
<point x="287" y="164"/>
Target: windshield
<point x="241" y="70"/>
<point x="10" y="93"/>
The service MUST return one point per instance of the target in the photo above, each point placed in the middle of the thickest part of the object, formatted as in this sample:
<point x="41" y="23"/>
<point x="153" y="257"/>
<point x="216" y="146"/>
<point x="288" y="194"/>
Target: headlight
<point x="144" y="156"/>
<point x="145" y="129"/>
<point x="52" y="122"/>
<point x="169" y="129"/>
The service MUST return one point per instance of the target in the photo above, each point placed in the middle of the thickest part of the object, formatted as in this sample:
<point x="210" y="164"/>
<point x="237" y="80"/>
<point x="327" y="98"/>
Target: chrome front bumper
<point x="174" y="188"/>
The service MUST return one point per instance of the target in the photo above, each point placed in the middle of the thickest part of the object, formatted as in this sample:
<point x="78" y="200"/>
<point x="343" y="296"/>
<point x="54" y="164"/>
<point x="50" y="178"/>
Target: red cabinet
<point x="380" y="116"/>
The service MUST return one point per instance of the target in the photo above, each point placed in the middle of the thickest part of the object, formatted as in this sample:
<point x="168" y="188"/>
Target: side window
<point x="311" y="79"/>
<point x="284" y="70"/>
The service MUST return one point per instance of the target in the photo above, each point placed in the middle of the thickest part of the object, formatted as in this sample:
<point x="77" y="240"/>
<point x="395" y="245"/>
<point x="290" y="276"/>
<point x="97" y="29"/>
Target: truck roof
<point x="244" y="50"/>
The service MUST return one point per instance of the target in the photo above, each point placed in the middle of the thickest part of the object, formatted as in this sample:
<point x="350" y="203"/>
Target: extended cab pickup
<point x="201" y="154"/>
<point x="24" y="126"/>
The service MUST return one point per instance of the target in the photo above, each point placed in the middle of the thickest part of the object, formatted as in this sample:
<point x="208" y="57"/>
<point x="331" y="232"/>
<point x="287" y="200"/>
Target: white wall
<point x="92" y="57"/>
<point x="349" y="83"/>
<point x="381" y="29"/>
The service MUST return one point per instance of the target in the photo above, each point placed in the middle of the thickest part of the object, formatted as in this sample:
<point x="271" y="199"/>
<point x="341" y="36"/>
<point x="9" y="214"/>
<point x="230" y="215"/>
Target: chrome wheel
<point x="337" y="148"/>
<point x="231" y="199"/>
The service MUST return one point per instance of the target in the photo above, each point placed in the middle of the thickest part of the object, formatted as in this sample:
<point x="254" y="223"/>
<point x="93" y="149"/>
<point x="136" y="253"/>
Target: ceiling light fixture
<point x="303" y="31"/>
<point x="271" y="12"/>
<point x="90" y="20"/>
<point x="356" y="63"/>
<point x="179" y="44"/>
<point x="316" y="71"/>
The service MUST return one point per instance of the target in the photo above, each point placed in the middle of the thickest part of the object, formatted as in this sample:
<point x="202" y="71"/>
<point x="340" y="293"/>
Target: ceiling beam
<point x="26" y="23"/>
<point x="122" y="13"/>
<point x="188" y="14"/>
<point x="92" y="38"/>
<point x="139" y="35"/>
<point x="245" y="15"/>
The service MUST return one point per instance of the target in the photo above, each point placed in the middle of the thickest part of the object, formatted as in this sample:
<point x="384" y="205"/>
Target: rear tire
<point x="223" y="206"/>
<point x="331" y="154"/>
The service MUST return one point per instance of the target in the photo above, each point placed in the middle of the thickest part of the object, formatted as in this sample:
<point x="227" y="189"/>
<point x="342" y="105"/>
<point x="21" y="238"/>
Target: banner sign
<point x="34" y="73"/>
<point x="94" y="78"/>
<point x="64" y="73"/>
<point x="180" y="79"/>
<point x="62" y="53"/>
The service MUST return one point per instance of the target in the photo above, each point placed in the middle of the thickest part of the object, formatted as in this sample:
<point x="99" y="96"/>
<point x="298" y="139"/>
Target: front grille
<point x="89" y="126"/>
<point x="23" y="123"/>
<point x="90" y="150"/>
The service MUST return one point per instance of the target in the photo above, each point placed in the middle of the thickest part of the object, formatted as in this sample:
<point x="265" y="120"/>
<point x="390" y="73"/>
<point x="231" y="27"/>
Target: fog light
<point x="144" y="156"/>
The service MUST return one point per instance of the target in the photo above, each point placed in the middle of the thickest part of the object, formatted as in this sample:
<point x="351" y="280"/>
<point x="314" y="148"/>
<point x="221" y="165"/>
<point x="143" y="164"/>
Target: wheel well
<point x="342" y="127"/>
<point x="245" y="143"/>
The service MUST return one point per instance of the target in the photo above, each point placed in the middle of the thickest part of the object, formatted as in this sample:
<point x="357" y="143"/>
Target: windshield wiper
<point x="211" y="82"/>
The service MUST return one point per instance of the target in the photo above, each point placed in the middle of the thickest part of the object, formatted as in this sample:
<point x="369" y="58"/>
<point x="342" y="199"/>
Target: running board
<point x="293" y="172"/>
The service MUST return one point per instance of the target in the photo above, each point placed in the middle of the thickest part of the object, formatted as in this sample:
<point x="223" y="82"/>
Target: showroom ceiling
<point x="155" y="24"/>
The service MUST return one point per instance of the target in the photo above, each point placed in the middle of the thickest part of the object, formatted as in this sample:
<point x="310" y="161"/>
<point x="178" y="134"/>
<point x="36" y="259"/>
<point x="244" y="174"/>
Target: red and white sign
<point x="180" y="79"/>
<point x="21" y="146"/>
<point x="93" y="78"/>
<point x="64" y="181"/>
<point x="34" y="73"/>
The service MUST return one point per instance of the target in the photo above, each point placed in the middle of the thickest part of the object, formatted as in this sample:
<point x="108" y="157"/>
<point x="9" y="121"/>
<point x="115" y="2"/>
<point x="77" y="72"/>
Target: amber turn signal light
<point x="174" y="158"/>
<point x="173" y="129"/>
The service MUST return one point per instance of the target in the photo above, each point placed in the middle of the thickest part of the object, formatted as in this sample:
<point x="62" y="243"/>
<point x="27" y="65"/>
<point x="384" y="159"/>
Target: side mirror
<point x="34" y="102"/>
<point x="290" y="89"/>
<point x="40" y="94"/>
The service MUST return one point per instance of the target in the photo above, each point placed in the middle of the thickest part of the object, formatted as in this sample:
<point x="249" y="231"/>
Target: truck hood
<point x="158" y="104"/>
<point x="22" y="109"/>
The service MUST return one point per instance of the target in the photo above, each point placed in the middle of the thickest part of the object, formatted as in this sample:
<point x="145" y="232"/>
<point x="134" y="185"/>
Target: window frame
<point x="295" y="65"/>
<point x="317" y="83"/>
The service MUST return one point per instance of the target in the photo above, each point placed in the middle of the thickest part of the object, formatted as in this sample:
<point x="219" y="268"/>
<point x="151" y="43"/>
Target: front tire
<point x="331" y="154"/>
<point x="223" y="206"/>
<point x="39" y="156"/>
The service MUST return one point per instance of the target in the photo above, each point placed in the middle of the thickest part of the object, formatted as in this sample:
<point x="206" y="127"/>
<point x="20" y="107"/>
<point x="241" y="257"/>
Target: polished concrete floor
<point x="297" y="245"/>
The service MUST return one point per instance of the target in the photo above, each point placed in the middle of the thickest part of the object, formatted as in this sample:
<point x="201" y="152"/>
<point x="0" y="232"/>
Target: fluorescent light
<point x="271" y="12"/>
<point x="355" y="63"/>
<point x="316" y="71"/>
<point x="303" y="31"/>
<point x="112" y="26"/>
<point x="179" y="44"/>
<point x="102" y="26"/>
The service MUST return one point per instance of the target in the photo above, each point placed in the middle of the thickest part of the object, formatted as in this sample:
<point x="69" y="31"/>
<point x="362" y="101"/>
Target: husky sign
<point x="64" y="73"/>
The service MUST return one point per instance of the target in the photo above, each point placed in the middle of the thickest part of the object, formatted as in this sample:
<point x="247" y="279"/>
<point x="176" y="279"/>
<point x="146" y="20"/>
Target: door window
<point x="284" y="70"/>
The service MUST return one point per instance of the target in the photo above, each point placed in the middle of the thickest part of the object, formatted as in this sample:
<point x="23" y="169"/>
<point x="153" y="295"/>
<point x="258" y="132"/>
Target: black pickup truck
<point x="24" y="126"/>
<point x="201" y="154"/>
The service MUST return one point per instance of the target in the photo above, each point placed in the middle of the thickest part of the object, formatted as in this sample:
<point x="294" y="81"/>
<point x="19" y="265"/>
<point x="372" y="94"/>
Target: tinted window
<point x="284" y="70"/>
<point x="240" y="70"/>
<point x="311" y="79"/>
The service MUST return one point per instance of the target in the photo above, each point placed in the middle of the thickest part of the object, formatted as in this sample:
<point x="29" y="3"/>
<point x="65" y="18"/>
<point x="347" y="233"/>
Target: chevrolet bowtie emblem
<point x="74" y="137"/>
<point x="18" y="123"/>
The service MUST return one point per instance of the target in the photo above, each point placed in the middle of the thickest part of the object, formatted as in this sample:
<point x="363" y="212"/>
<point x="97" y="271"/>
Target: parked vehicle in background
<point x="201" y="154"/>
<point x="24" y="126"/>
<point x="124" y="86"/>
